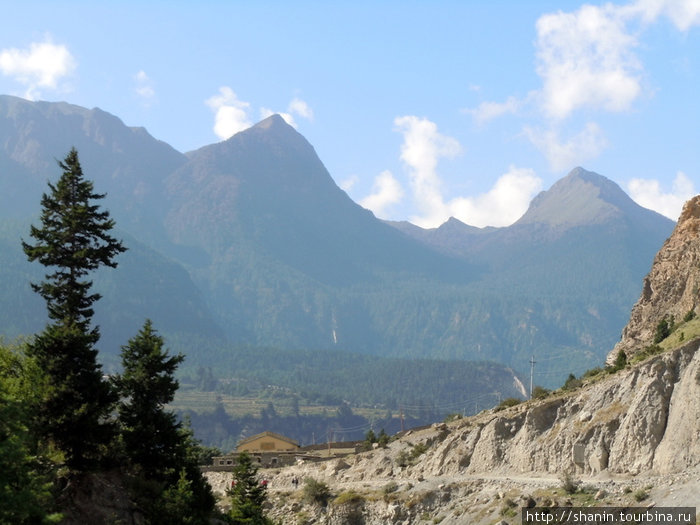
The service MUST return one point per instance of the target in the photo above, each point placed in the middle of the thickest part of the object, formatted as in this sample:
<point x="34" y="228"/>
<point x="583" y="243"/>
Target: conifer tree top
<point x="73" y="239"/>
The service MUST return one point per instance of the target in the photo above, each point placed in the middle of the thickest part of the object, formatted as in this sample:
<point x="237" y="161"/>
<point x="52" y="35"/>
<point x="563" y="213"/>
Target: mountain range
<point x="250" y="242"/>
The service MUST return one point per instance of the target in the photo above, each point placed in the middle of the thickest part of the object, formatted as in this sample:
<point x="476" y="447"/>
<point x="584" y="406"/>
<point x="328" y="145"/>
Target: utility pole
<point x="532" y="372"/>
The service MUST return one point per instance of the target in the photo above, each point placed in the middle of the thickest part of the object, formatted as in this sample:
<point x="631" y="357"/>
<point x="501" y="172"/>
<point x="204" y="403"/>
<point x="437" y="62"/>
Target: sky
<point x="419" y="110"/>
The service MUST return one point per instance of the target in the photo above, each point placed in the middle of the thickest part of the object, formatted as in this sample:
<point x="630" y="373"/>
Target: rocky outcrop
<point x="672" y="287"/>
<point x="640" y="425"/>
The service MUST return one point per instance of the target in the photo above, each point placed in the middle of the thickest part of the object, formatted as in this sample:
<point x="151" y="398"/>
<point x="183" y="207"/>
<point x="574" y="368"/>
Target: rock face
<point x="672" y="286"/>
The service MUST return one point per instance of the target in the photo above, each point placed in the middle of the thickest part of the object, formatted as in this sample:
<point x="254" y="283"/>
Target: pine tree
<point x="159" y="448"/>
<point x="247" y="494"/>
<point x="151" y="435"/>
<point x="73" y="240"/>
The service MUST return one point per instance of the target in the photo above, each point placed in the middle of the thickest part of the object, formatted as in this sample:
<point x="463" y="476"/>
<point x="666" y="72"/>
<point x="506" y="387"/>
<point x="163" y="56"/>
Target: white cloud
<point x="421" y="150"/>
<point x="683" y="13"/>
<point x="231" y="113"/>
<point x="487" y="111"/>
<point x="565" y="155"/>
<point x="648" y="193"/>
<point x="43" y="65"/>
<point x="296" y="107"/>
<point x="288" y="117"/>
<point x="586" y="59"/>
<point x="144" y="87"/>
<point x="422" y="147"/>
<point x="300" y="108"/>
<point x="386" y="191"/>
<point x="503" y="204"/>
<point x="349" y="183"/>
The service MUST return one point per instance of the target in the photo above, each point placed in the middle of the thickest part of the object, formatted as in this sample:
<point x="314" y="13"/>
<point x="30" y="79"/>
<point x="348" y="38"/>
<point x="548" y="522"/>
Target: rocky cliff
<point x="671" y="289"/>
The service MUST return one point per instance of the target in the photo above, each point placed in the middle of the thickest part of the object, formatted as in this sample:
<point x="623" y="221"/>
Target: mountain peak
<point x="271" y="122"/>
<point x="582" y="197"/>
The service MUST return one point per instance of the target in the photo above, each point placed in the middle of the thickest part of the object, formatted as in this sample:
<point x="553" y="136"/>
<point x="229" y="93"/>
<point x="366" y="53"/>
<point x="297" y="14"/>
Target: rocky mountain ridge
<point x="671" y="289"/>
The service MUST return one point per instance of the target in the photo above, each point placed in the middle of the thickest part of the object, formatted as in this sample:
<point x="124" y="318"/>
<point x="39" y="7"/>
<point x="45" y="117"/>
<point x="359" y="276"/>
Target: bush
<point x="390" y="487"/>
<point x="640" y="495"/>
<point x="418" y="450"/>
<point x="620" y="363"/>
<point x="663" y="330"/>
<point x="592" y="372"/>
<point x="348" y="497"/>
<point x="508" y="402"/>
<point x="568" y="483"/>
<point x="689" y="316"/>
<point x="540" y="392"/>
<point x="571" y="383"/>
<point x="316" y="491"/>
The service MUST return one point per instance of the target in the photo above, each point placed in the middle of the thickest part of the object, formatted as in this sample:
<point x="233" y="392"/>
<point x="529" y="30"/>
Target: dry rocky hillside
<point x="617" y="437"/>
<point x="672" y="287"/>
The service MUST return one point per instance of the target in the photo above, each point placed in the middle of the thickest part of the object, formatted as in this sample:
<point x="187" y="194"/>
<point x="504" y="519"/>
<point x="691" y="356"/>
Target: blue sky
<point x="419" y="110"/>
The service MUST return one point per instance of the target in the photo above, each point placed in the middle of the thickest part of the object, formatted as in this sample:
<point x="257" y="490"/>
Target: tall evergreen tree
<point x="151" y="435"/>
<point x="160" y="449"/>
<point x="73" y="240"/>
<point x="247" y="494"/>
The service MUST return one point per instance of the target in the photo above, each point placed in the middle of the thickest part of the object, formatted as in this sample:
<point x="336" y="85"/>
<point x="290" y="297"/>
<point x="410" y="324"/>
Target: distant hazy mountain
<point x="252" y="240"/>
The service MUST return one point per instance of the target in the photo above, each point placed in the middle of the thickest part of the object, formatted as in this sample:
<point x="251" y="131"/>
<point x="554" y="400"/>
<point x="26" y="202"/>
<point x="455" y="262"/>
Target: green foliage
<point x="508" y="402"/>
<point x="417" y="451"/>
<point x="247" y="494"/>
<point x="571" y="383"/>
<point x="406" y="458"/>
<point x="74" y="408"/>
<point x="25" y="494"/>
<point x="663" y="330"/>
<point x="689" y="316"/>
<point x="540" y="392"/>
<point x="383" y="438"/>
<point x="348" y="498"/>
<point x="592" y="372"/>
<point x="647" y="352"/>
<point x="390" y="488"/>
<point x="73" y="240"/>
<point x="316" y="491"/>
<point x="176" y="503"/>
<point x="568" y="483"/>
<point x="640" y="495"/>
<point x="150" y="434"/>
<point x="620" y="363"/>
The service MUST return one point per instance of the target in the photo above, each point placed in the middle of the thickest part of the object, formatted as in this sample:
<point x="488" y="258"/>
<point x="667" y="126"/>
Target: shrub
<point x="508" y="402"/>
<point x="390" y="487"/>
<point x="568" y="483"/>
<point x="663" y="330"/>
<point x="316" y="491"/>
<point x="689" y="316"/>
<point x="402" y="459"/>
<point x="540" y="392"/>
<point x="572" y="383"/>
<point x="640" y="495"/>
<point x="620" y="363"/>
<point x="348" y="497"/>
<point x="592" y="372"/>
<point x="418" y="450"/>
